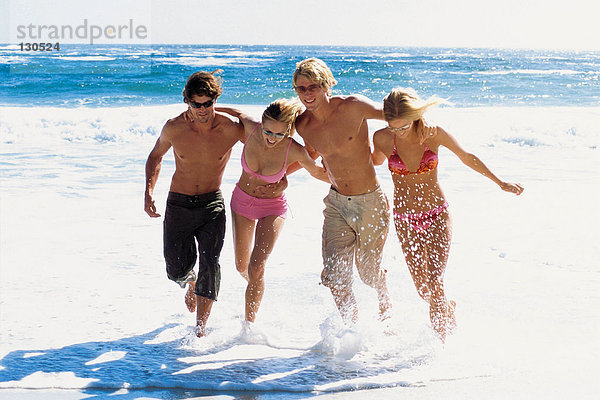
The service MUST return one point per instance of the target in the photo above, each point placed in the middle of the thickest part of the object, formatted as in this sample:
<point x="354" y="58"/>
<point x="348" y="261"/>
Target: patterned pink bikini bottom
<point x="420" y="222"/>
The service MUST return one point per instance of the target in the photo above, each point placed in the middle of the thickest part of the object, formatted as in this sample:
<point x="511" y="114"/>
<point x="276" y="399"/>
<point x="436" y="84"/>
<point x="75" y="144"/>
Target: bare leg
<point x="368" y="264"/>
<point x="441" y="311"/>
<point x="243" y="233"/>
<point x="385" y="304"/>
<point x="415" y="254"/>
<point x="202" y="314"/>
<point x="426" y="255"/>
<point x="267" y="231"/>
<point x="346" y="303"/>
<point x="190" y="297"/>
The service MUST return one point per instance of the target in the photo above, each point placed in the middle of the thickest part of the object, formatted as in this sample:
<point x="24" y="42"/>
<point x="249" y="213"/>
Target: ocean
<point x="86" y="310"/>
<point x="100" y="76"/>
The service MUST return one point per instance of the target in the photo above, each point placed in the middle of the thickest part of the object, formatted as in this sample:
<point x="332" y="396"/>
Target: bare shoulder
<point x="380" y="135"/>
<point x="360" y="105"/>
<point x="440" y="134"/>
<point x="437" y="138"/>
<point x="174" y="125"/>
<point x="301" y="122"/>
<point x="355" y="100"/>
<point x="381" y="138"/>
<point x="229" y="125"/>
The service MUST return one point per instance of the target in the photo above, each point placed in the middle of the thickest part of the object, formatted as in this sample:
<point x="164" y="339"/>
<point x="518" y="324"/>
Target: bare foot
<point x="190" y="297"/>
<point x="200" y="331"/>
<point x="385" y="311"/>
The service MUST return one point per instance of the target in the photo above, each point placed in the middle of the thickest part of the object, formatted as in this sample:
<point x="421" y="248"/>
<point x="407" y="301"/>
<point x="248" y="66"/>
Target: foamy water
<point x="85" y="302"/>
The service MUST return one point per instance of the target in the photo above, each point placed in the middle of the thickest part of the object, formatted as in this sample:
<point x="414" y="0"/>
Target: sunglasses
<point x="401" y="128"/>
<point x="276" y="135"/>
<point x="310" y="88"/>
<point x="206" y="104"/>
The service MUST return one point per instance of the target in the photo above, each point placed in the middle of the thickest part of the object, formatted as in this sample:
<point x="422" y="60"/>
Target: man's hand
<point x="279" y="186"/>
<point x="149" y="206"/>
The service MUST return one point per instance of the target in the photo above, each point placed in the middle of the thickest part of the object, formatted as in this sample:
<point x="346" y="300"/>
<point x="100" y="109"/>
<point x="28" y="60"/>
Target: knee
<point x="337" y="276"/>
<point x="423" y="290"/>
<point x="241" y="265"/>
<point x="256" y="271"/>
<point x="371" y="273"/>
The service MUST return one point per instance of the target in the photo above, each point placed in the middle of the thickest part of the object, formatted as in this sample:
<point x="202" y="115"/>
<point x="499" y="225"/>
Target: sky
<point x="426" y="23"/>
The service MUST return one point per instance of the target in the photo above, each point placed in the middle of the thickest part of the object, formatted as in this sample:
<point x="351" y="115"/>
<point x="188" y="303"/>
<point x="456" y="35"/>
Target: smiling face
<point x="310" y="93"/>
<point x="202" y="107"/>
<point x="274" y="132"/>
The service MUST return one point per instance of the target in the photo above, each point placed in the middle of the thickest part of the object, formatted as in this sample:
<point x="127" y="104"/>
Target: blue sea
<point x="86" y="310"/>
<point x="126" y="75"/>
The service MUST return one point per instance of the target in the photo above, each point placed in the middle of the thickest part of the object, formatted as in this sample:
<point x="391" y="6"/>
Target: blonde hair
<point x="405" y="103"/>
<point x="315" y="70"/>
<point x="283" y="110"/>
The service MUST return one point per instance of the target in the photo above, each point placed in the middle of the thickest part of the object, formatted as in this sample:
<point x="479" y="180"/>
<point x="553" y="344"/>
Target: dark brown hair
<point x="203" y="83"/>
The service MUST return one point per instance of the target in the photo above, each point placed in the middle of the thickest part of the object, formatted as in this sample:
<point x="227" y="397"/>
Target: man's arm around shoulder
<point x="230" y="125"/>
<point x="365" y="106"/>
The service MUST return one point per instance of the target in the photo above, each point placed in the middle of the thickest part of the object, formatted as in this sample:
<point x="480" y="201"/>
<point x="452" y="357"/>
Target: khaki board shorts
<point x="355" y="228"/>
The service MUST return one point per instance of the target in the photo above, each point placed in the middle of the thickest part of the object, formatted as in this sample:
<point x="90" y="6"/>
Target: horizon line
<point x="321" y="45"/>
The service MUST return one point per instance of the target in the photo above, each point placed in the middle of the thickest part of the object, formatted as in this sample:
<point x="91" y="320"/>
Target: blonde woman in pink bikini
<point x="258" y="202"/>
<point x="421" y="214"/>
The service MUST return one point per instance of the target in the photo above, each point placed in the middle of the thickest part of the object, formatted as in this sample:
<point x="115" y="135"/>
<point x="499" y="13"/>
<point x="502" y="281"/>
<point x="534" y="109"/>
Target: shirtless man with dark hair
<point x="202" y="140"/>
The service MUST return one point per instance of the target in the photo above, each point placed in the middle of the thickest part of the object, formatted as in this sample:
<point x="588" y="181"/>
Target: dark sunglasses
<point x="206" y="104"/>
<point x="277" y="135"/>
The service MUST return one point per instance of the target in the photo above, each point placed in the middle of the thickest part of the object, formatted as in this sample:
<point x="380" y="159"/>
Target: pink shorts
<point x="256" y="208"/>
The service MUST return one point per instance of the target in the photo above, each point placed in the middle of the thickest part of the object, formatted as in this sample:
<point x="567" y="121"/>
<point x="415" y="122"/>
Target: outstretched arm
<point x="153" y="165"/>
<point x="473" y="162"/>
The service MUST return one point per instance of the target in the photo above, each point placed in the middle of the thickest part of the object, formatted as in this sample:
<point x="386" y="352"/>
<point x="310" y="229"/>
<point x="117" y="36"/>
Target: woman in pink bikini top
<point x="420" y="209"/>
<point x="258" y="203"/>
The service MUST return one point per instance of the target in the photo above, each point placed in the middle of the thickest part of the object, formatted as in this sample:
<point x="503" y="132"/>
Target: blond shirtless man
<point x="356" y="209"/>
<point x="202" y="140"/>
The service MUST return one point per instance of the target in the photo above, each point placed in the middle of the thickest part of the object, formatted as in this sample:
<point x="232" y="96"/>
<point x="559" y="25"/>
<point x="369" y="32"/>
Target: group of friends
<point x="357" y="212"/>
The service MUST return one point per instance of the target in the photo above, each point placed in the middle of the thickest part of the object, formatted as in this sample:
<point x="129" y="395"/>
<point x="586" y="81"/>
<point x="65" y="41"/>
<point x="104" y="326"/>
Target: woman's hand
<point x="188" y="115"/>
<point x="512" y="188"/>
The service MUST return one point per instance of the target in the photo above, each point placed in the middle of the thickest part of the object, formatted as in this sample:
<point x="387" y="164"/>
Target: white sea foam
<point x="87" y="58"/>
<point x="204" y="61"/>
<point x="12" y="59"/>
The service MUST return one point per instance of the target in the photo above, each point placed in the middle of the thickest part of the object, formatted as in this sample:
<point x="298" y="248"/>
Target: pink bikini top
<point x="429" y="162"/>
<point x="266" y="178"/>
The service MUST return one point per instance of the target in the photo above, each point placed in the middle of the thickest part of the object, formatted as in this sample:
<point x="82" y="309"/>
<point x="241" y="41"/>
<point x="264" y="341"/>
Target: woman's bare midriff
<point x="417" y="192"/>
<point x="260" y="189"/>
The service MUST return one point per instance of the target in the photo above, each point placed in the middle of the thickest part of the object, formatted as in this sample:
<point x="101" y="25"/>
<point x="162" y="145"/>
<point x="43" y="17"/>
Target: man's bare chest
<point x="201" y="148"/>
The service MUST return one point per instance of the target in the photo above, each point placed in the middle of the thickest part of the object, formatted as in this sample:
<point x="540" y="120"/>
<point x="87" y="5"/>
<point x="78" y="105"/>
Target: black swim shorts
<point x="200" y="217"/>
